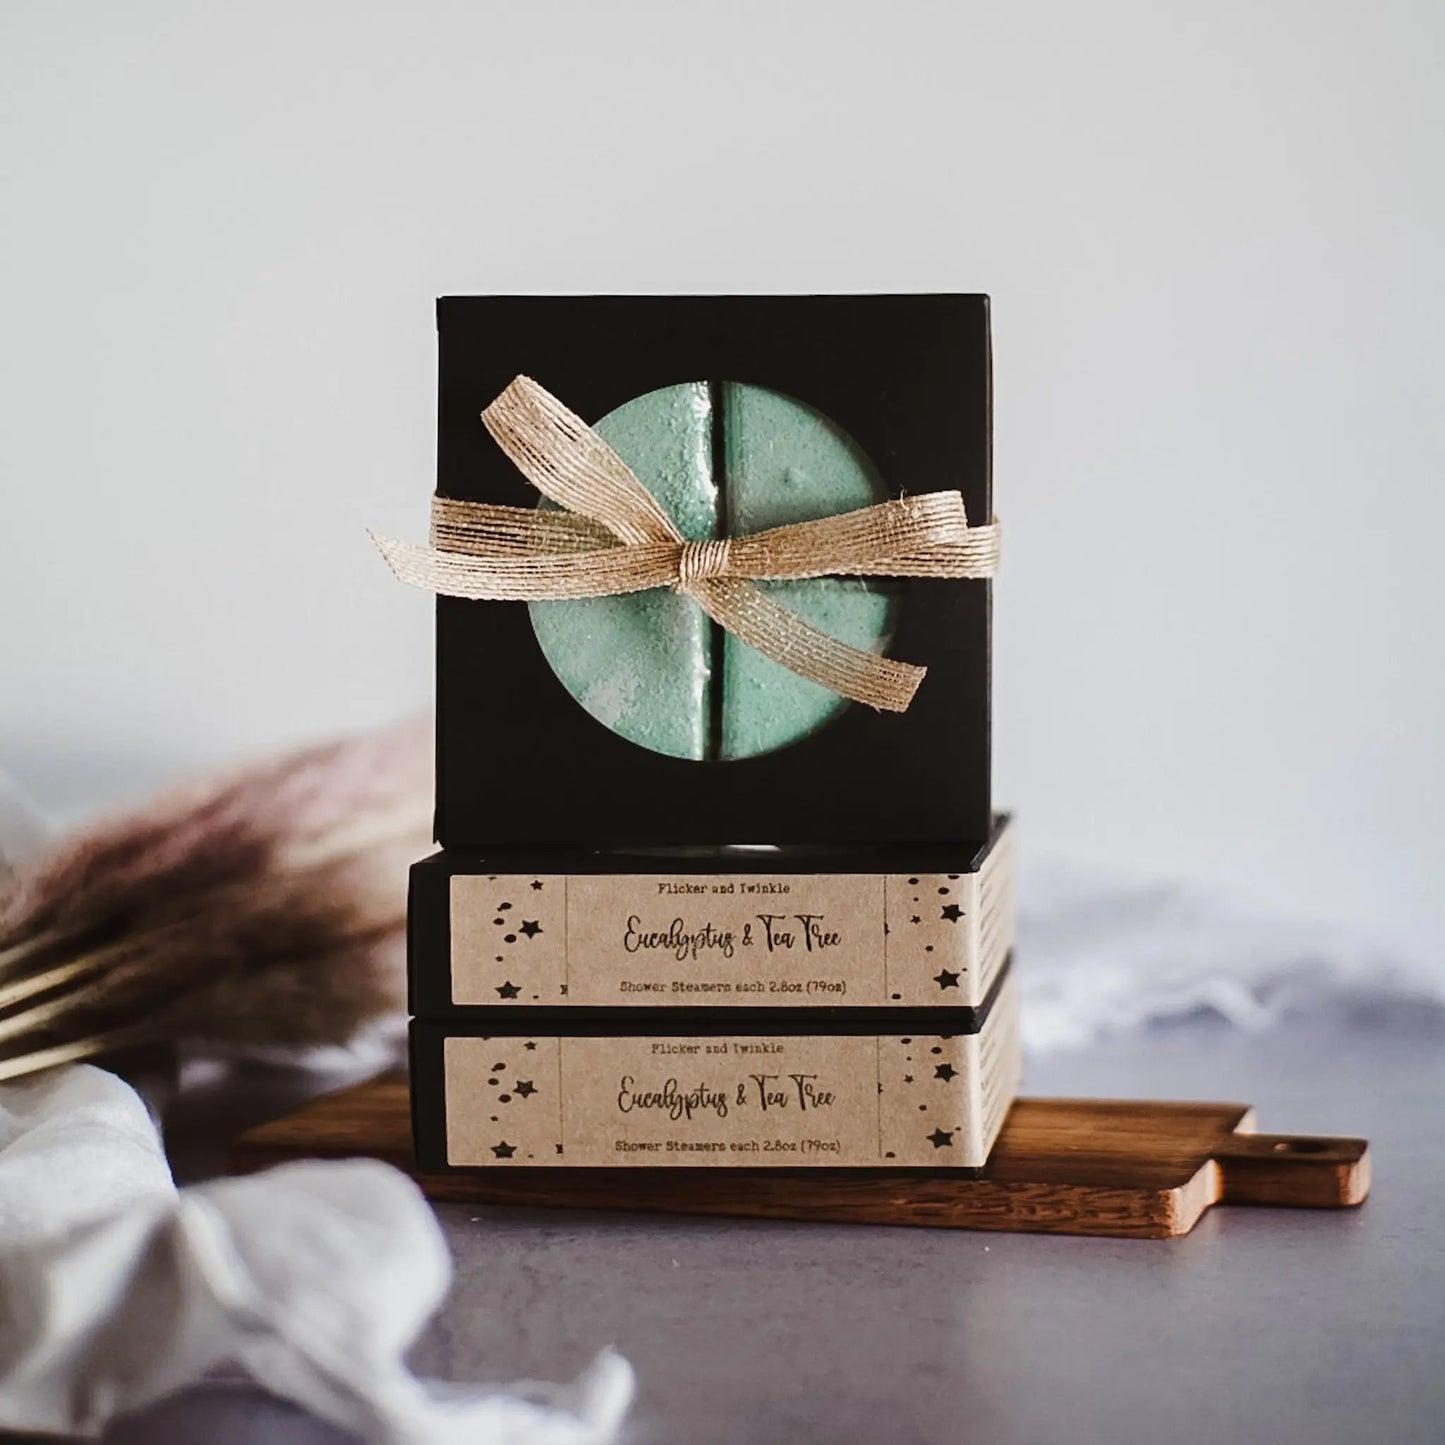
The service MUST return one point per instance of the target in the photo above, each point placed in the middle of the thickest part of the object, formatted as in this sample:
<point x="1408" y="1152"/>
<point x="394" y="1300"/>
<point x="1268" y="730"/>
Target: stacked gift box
<point x="704" y="901"/>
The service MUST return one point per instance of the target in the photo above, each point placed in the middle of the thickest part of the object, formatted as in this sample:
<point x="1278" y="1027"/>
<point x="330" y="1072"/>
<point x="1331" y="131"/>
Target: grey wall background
<point x="1213" y="238"/>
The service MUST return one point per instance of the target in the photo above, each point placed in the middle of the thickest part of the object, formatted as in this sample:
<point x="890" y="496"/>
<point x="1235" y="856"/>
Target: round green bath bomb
<point x="724" y="459"/>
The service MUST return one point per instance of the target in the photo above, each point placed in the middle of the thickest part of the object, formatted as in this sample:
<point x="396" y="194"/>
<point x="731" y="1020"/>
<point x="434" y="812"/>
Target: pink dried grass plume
<point x="266" y="906"/>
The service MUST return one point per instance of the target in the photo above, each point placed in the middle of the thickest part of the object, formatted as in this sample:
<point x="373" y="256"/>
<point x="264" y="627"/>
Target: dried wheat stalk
<point x="267" y="906"/>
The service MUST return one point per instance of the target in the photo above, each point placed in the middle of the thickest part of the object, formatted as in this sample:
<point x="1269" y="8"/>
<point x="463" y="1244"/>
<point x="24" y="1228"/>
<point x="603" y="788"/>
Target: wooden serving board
<point x="1061" y="1166"/>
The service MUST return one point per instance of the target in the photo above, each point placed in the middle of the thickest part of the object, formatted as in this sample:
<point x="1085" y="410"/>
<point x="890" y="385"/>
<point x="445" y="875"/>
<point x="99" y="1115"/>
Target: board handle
<point x="1300" y="1170"/>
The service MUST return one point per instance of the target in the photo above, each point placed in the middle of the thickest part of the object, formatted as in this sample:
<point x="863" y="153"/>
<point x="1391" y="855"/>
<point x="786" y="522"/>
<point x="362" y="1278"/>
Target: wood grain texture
<point x="1124" y="1168"/>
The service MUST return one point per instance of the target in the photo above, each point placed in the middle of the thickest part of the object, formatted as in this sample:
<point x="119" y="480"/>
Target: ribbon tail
<point x="505" y="577"/>
<point x="783" y="636"/>
<point x="445" y="573"/>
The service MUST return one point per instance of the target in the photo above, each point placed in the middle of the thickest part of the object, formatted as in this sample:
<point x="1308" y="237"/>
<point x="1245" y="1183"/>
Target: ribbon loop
<point x="569" y="463"/>
<point x="613" y="537"/>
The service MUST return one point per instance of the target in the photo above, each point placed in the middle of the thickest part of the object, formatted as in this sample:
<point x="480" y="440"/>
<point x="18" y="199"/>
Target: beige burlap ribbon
<point x="613" y="537"/>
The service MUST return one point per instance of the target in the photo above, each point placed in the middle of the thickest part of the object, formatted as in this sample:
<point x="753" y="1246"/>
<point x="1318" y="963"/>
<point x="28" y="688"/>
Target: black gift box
<point x="916" y="1090"/>
<point x="519" y="762"/>
<point x="547" y="936"/>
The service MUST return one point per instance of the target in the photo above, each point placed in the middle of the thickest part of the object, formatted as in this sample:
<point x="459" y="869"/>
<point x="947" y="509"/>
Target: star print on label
<point x="504" y="1150"/>
<point x="529" y="928"/>
<point x="943" y="1071"/>
<point x="952" y="912"/>
<point x="941" y="1138"/>
<point x="524" y="1088"/>
<point x="508" y="989"/>
<point x="944" y="979"/>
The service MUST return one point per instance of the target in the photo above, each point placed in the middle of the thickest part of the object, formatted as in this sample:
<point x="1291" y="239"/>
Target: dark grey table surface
<point x="1263" y="1325"/>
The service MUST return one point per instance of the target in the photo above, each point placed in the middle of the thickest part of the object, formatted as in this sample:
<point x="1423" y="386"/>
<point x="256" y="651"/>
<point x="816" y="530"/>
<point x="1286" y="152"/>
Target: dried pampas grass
<point x="267" y="907"/>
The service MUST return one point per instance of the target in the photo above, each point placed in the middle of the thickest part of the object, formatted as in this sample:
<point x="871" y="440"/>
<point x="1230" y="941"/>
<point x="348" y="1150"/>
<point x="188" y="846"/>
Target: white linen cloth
<point x="1099" y="956"/>
<point x="311" y="1278"/>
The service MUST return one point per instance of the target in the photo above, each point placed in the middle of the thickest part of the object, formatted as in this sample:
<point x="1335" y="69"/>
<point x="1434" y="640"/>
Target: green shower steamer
<point x="641" y="663"/>
<point x="786" y="463"/>
<point x="724" y="460"/>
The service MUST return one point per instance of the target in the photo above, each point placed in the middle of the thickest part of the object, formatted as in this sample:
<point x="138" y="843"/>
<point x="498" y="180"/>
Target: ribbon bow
<point x="613" y="537"/>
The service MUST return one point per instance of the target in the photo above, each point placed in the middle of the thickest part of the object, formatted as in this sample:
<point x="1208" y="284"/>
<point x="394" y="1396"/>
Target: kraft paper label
<point x="725" y="939"/>
<point x="763" y="1102"/>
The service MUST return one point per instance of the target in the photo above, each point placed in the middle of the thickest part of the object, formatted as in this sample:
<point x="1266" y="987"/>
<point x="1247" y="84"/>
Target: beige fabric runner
<point x="613" y="538"/>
